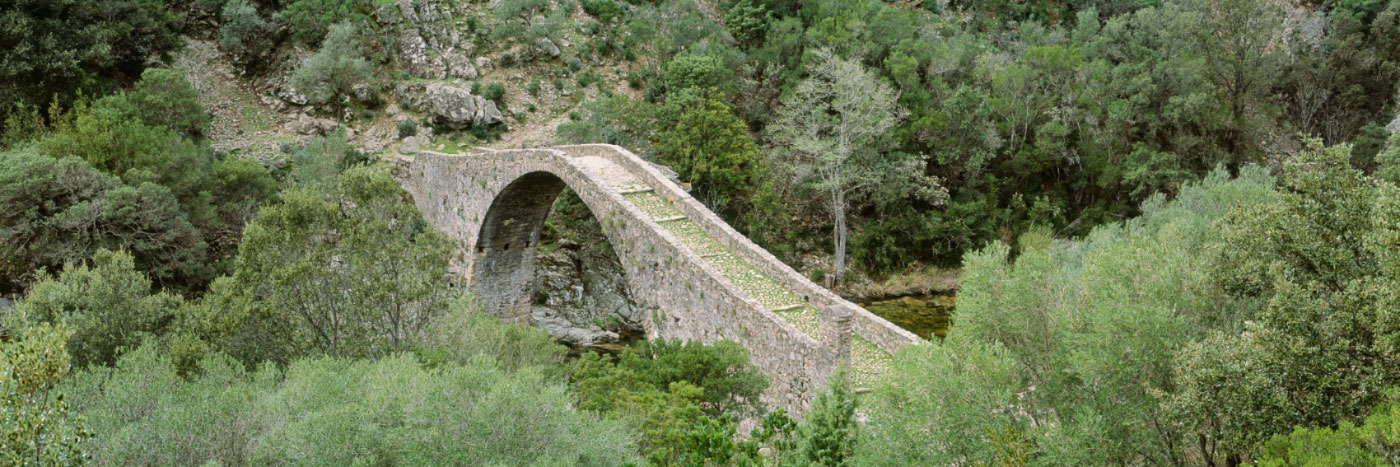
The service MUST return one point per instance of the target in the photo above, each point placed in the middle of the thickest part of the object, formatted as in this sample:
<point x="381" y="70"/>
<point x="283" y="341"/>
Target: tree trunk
<point x="838" y="210"/>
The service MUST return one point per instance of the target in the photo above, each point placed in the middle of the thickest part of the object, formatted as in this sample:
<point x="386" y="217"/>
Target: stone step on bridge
<point x="696" y="277"/>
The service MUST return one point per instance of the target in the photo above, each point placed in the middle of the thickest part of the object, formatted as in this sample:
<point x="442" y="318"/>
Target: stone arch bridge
<point x="698" y="277"/>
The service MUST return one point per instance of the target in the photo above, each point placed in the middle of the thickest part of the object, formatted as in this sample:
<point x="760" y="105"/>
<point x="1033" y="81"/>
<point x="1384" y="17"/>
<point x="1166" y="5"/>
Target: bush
<point x="245" y="34"/>
<point x="165" y="98"/>
<point x="604" y="10"/>
<point x="57" y="48"/>
<point x="38" y="429"/>
<point x="729" y="383"/>
<point x="353" y="251"/>
<point x="693" y="70"/>
<point x="107" y="304"/>
<point x="335" y="70"/>
<point x="310" y="20"/>
<point x="406" y="128"/>
<point x="316" y="164"/>
<point x="534" y="88"/>
<point x="56" y="211"/>
<point x="328" y="411"/>
<point x="495" y="92"/>
<point x="465" y="333"/>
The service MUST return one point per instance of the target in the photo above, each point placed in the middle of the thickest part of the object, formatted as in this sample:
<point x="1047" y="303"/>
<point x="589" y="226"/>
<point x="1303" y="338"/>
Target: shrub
<point x="38" y="429"/>
<point x="59" y="211"/>
<point x="495" y="92"/>
<point x="729" y="383"/>
<point x="534" y="88"/>
<point x="310" y="20"/>
<point x="335" y="70"/>
<point x="165" y="98"/>
<point x="107" y="304"/>
<point x="327" y="411"/>
<point x="54" y="49"/>
<point x="352" y="251"/>
<point x="245" y="34"/>
<point x="407" y="127"/>
<point x="465" y="333"/>
<point x="604" y="10"/>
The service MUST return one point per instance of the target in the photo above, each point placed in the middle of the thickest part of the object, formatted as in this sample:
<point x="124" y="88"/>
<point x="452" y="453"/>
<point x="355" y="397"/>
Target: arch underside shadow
<point x="503" y="276"/>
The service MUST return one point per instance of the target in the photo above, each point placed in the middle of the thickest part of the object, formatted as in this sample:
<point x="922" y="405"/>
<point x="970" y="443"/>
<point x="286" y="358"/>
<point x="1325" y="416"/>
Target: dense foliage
<point x="1063" y="114"/>
<point x="126" y="172"/>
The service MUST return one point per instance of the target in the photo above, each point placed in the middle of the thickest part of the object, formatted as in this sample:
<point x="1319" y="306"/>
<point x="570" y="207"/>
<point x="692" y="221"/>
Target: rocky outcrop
<point x="458" y="108"/>
<point x="429" y="46"/>
<point x="413" y="56"/>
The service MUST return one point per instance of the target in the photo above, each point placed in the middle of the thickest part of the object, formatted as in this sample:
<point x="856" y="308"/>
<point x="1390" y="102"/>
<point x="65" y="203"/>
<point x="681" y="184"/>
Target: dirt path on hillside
<point x="240" y="123"/>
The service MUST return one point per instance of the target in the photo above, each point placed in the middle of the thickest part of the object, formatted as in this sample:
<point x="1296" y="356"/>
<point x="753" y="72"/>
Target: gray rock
<point x="580" y="287"/>
<point x="409" y="145"/>
<point x="547" y="47"/>
<point x="303" y="124"/>
<point x="362" y="93"/>
<point x="1394" y="125"/>
<point x="458" y="108"/>
<point x="6" y="304"/>
<point x="459" y="66"/>
<point x="563" y="329"/>
<point x="375" y="145"/>
<point x="290" y="94"/>
<point x="483" y="62"/>
<point x="413" y="55"/>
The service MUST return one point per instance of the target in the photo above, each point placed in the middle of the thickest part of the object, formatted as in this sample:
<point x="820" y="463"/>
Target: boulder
<point x="458" y="108"/>
<point x="547" y="47"/>
<point x="303" y="124"/>
<point x="459" y="66"/>
<point x="562" y="329"/>
<point x="1394" y="125"/>
<point x="409" y="145"/>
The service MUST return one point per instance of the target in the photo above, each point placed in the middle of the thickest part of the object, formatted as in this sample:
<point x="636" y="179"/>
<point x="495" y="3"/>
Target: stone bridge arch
<point x="693" y="274"/>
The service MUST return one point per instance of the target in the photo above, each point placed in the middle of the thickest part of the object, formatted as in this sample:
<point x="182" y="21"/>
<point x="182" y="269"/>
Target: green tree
<point x="165" y="98"/>
<point x="747" y="22"/>
<point x="336" y="69"/>
<point x="57" y="47"/>
<point x="245" y="34"/>
<point x="309" y="21"/>
<point x="1234" y="38"/>
<point x="1322" y="260"/>
<point x="391" y="411"/>
<point x="1375" y="442"/>
<point x="351" y="272"/>
<point x="835" y="122"/>
<point x="107" y="304"/>
<point x="711" y="149"/>
<point x="828" y="433"/>
<point x="56" y="211"/>
<point x="35" y="424"/>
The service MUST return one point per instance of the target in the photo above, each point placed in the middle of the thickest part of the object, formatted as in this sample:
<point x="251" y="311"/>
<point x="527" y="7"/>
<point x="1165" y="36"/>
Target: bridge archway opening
<point x="580" y="280"/>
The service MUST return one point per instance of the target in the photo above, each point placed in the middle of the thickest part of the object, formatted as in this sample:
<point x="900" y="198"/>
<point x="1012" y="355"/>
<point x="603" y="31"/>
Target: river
<point x="925" y="315"/>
